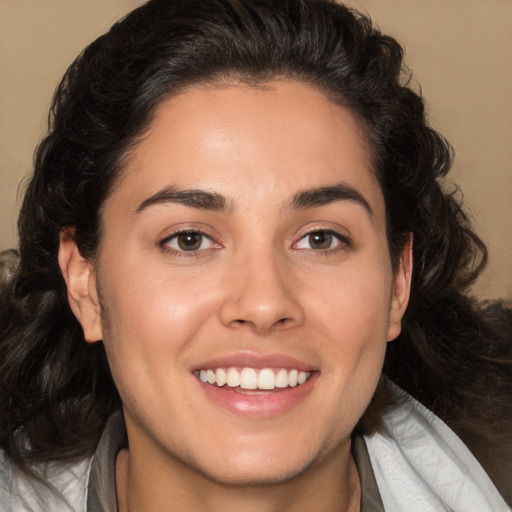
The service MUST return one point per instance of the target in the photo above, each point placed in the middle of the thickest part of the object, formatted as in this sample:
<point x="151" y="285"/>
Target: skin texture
<point x="256" y="286"/>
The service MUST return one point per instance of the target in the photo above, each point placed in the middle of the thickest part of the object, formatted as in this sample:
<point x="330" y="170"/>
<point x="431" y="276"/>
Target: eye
<point x="322" y="240"/>
<point x="188" y="241"/>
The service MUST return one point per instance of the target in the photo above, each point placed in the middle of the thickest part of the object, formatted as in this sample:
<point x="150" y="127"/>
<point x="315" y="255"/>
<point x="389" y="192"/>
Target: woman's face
<point x="246" y="242"/>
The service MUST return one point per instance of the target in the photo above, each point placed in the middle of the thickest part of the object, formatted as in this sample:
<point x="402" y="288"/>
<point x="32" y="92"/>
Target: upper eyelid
<point x="185" y="230"/>
<point x="344" y="240"/>
<point x="318" y="229"/>
<point x="173" y="232"/>
<point x="166" y="244"/>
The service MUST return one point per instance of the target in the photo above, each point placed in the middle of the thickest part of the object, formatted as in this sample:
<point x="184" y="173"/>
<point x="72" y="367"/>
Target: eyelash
<point x="165" y="243"/>
<point x="343" y="242"/>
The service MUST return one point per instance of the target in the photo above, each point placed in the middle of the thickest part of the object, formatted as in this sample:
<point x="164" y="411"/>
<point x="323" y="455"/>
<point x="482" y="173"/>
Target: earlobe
<point x="401" y="290"/>
<point x="80" y="279"/>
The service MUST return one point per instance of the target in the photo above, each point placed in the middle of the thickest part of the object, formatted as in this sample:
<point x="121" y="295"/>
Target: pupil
<point x="320" y="240"/>
<point x="189" y="241"/>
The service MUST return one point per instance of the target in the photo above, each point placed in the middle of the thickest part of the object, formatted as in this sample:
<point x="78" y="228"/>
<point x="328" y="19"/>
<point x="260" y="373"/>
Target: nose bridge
<point x="261" y="293"/>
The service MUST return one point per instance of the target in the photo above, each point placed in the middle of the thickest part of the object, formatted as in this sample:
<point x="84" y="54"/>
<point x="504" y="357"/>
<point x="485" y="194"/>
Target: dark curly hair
<point x="56" y="389"/>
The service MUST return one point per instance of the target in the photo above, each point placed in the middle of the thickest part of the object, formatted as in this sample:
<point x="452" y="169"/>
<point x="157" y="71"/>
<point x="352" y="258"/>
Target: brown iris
<point x="320" y="240"/>
<point x="189" y="241"/>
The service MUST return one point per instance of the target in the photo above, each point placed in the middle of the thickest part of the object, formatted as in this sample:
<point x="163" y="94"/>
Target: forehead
<point x="249" y="143"/>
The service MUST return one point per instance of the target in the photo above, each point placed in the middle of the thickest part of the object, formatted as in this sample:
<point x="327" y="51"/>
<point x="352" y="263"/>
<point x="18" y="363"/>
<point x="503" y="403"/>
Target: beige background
<point x="459" y="50"/>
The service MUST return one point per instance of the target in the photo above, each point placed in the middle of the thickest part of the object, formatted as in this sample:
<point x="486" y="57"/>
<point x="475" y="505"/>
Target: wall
<point x="459" y="50"/>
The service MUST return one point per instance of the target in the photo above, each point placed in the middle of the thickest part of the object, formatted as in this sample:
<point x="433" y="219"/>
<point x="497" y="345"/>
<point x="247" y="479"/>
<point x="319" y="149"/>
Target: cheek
<point x="355" y="306"/>
<point x="353" y="316"/>
<point x="150" y="324"/>
<point x="151" y="314"/>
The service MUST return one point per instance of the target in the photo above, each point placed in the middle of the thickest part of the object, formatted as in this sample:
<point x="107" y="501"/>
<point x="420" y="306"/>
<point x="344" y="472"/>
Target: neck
<point x="331" y="485"/>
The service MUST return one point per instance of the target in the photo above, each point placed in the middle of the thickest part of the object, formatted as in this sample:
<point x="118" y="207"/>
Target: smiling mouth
<point x="253" y="379"/>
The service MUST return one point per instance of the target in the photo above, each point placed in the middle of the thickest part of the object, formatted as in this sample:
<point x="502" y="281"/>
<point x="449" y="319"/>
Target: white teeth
<point x="232" y="378"/>
<point x="266" y="379"/>
<point x="221" y="377"/>
<point x="282" y="379"/>
<point x="249" y="378"/>
<point x="210" y="377"/>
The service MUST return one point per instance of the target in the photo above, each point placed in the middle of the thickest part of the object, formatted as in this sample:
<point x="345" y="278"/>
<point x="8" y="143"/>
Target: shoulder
<point x="418" y="459"/>
<point x="51" y="486"/>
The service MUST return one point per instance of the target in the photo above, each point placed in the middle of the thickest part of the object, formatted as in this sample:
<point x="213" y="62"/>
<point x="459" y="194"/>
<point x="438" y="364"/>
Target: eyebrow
<point x="200" y="199"/>
<point x="322" y="196"/>
<point x="205" y="200"/>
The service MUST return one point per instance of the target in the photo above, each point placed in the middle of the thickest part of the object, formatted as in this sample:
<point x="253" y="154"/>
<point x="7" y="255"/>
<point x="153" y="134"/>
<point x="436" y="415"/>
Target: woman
<point x="235" y="227"/>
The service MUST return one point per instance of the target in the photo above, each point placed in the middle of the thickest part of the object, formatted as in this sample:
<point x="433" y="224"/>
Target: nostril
<point x="261" y="312"/>
<point x="261" y="326"/>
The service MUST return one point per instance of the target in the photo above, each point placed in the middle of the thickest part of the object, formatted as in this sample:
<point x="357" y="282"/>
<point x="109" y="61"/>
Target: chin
<point x="257" y="475"/>
<point x="258" y="467"/>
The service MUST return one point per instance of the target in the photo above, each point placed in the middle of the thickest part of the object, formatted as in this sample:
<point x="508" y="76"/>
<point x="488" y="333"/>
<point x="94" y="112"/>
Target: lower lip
<point x="260" y="404"/>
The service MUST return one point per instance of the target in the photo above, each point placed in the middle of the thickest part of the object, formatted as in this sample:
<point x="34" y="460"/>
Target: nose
<point x="261" y="297"/>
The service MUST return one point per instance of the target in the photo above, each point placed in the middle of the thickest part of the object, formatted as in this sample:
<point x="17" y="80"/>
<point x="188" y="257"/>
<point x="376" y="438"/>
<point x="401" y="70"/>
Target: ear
<point x="401" y="291"/>
<point x="80" y="280"/>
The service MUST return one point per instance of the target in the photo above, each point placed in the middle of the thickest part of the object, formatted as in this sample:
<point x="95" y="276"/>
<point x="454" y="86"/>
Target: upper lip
<point x="254" y="360"/>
